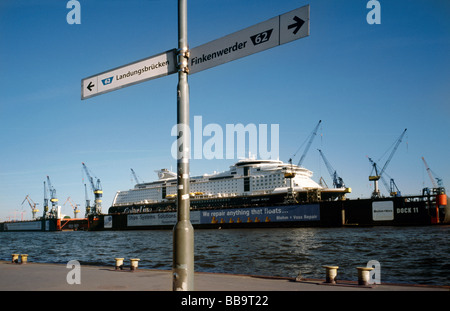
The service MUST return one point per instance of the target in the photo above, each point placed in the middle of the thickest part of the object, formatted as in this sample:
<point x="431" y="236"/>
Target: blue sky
<point x="367" y="83"/>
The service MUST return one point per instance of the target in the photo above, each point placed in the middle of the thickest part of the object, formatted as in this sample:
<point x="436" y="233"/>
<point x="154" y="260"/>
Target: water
<point x="419" y="255"/>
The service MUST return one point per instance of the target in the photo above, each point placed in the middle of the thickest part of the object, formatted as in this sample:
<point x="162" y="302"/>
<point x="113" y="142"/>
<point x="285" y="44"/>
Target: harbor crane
<point x="394" y="191"/>
<point x="338" y="182"/>
<point x="88" y="201"/>
<point x="391" y="187"/>
<point x="134" y="176"/>
<point x="309" y="142"/>
<point x="34" y="210"/>
<point x="290" y="174"/>
<point x="98" y="192"/>
<point x="53" y="198"/>
<point x="438" y="190"/>
<point x="435" y="181"/>
<point x="379" y="173"/>
<point x="45" y="200"/>
<point x="74" y="207"/>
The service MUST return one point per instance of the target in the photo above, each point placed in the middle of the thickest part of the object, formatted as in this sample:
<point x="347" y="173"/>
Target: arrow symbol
<point x="90" y="86"/>
<point x="298" y="24"/>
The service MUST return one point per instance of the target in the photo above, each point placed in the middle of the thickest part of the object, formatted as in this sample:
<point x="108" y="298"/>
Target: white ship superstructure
<point x="245" y="178"/>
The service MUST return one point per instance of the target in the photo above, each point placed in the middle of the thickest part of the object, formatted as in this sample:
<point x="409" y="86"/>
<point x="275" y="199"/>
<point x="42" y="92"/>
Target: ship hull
<point x="396" y="211"/>
<point x="260" y="212"/>
<point x="36" y="225"/>
<point x="49" y="225"/>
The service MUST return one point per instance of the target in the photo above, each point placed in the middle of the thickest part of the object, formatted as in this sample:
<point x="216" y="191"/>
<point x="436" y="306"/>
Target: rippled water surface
<point x="406" y="254"/>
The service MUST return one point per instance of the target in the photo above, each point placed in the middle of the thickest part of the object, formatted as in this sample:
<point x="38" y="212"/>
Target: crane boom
<point x="429" y="173"/>
<point x="338" y="182"/>
<point x="436" y="181"/>
<point x="135" y="177"/>
<point x="376" y="177"/>
<point x="395" y="192"/>
<point x="311" y="138"/>
<point x="397" y="143"/>
<point x="98" y="192"/>
<point x="34" y="210"/>
<point x="91" y="180"/>
<point x="379" y="173"/>
<point x="74" y="206"/>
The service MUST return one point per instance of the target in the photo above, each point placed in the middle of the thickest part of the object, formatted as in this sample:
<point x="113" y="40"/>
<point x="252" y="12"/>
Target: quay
<point x="54" y="277"/>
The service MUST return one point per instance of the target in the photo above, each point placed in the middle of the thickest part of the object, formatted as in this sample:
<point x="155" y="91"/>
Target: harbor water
<point x="413" y="255"/>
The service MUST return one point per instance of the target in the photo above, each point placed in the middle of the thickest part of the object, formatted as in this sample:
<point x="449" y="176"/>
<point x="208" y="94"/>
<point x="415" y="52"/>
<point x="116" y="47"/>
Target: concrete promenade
<point x="53" y="277"/>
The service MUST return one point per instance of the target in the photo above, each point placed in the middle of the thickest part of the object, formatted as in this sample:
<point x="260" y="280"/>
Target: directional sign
<point x="146" y="69"/>
<point x="275" y="31"/>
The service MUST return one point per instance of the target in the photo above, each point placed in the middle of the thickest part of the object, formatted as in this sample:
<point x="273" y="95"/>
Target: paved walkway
<point x="53" y="277"/>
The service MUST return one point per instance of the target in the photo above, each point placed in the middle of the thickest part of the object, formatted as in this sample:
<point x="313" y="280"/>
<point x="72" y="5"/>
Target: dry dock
<point x="54" y="277"/>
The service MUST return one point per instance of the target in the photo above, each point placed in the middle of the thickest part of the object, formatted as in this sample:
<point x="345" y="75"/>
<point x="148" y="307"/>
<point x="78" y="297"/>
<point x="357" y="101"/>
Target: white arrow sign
<point x="146" y="69"/>
<point x="275" y="31"/>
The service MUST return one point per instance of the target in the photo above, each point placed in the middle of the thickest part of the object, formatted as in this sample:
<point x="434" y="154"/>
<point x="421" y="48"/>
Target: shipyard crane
<point x="53" y="198"/>
<point x="98" y="192"/>
<point x="391" y="187"/>
<point x="435" y="181"/>
<point x="88" y="201"/>
<point x="290" y="174"/>
<point x="74" y="207"/>
<point x="379" y="173"/>
<point x="45" y="201"/>
<point x="394" y="191"/>
<point x="34" y="210"/>
<point x="309" y="141"/>
<point x="338" y="182"/>
<point x="374" y="177"/>
<point x="135" y="177"/>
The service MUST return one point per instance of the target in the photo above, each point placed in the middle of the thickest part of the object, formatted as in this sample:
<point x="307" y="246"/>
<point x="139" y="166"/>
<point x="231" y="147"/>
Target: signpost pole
<point x="275" y="31"/>
<point x="183" y="232"/>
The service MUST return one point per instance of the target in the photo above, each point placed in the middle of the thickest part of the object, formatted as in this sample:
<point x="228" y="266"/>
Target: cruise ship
<point x="263" y="194"/>
<point x="255" y="194"/>
<point x="246" y="180"/>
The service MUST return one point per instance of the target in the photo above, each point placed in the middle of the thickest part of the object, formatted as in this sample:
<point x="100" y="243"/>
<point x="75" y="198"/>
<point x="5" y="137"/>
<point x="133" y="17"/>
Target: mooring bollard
<point x="15" y="258"/>
<point x="23" y="258"/>
<point x="299" y="277"/>
<point x="331" y="272"/>
<point x="134" y="263"/>
<point x="119" y="263"/>
<point x="364" y="275"/>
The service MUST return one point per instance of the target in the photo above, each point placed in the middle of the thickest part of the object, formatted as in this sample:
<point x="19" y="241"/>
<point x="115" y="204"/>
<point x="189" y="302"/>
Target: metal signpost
<point x="183" y="232"/>
<point x="273" y="32"/>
